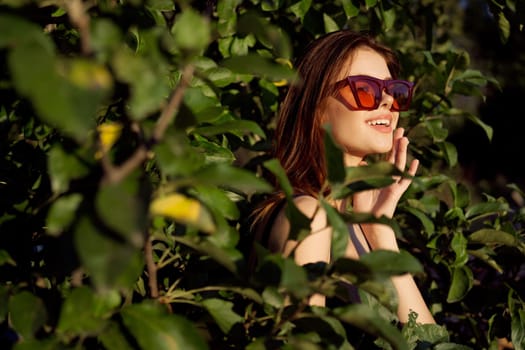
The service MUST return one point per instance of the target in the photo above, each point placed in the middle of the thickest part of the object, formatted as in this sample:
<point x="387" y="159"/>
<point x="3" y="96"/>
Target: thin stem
<point x="152" y="269"/>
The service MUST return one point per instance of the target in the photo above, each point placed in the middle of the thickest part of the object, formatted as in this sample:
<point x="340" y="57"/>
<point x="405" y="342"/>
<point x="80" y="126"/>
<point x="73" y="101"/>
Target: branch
<point x="80" y="19"/>
<point x="115" y="174"/>
<point x="152" y="269"/>
<point x="169" y="112"/>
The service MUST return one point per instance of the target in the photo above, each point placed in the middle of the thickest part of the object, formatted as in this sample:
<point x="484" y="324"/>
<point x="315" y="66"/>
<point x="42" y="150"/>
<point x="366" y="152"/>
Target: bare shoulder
<point x="308" y="205"/>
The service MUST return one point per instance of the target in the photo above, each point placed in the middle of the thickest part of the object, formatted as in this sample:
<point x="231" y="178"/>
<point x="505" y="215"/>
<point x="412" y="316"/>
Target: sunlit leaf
<point x="108" y="134"/>
<point x="191" y="31"/>
<point x="483" y="209"/>
<point x="459" y="246"/>
<point x="232" y="177"/>
<point x="461" y="283"/>
<point x="183" y="209"/>
<point x="497" y="237"/>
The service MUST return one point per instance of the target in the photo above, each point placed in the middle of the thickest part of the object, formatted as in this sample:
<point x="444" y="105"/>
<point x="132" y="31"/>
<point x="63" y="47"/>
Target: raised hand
<point x="383" y="201"/>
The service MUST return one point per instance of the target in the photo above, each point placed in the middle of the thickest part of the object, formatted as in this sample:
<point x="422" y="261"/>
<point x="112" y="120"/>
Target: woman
<point x="347" y="81"/>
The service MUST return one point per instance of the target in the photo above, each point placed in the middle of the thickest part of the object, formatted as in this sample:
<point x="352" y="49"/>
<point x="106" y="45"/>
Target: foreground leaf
<point x="154" y="328"/>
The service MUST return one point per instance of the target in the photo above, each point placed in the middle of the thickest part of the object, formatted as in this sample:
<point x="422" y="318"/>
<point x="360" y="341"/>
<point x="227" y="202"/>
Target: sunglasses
<point x="362" y="92"/>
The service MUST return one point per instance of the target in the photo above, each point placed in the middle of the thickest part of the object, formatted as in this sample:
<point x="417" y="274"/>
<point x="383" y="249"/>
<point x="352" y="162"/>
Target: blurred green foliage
<point x="134" y="139"/>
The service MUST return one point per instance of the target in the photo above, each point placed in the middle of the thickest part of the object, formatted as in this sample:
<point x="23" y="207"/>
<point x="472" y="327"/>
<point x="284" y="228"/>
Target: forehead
<point x="365" y="61"/>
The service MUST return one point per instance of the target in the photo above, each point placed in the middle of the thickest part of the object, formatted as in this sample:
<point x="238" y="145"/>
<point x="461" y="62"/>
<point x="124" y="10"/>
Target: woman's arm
<point x="383" y="202"/>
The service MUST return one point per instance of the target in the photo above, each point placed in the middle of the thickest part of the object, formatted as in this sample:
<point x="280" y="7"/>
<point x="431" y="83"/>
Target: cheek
<point x="395" y="120"/>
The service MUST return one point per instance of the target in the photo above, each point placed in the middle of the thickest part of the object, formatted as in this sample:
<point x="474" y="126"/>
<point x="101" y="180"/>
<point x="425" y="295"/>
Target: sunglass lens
<point x="401" y="95"/>
<point x="366" y="94"/>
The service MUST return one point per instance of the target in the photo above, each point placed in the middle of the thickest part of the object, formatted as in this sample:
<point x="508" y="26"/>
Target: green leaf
<point x="33" y="344"/>
<point x="84" y="312"/>
<point x="275" y="167"/>
<point x="492" y="236"/>
<point x="105" y="36"/>
<point x="340" y="233"/>
<point x="350" y="7"/>
<point x="175" y="155"/>
<point x="417" y="333"/>
<point x="294" y="279"/>
<point x="64" y="167"/>
<point x="489" y="131"/>
<point x="222" y="313"/>
<point x="329" y="24"/>
<point x="226" y="11"/>
<point x="300" y="8"/>
<point x="257" y="65"/>
<point x="235" y="127"/>
<point x="372" y="323"/>
<point x="154" y="328"/>
<point x="368" y="173"/>
<point x="388" y="263"/>
<point x="462" y="282"/>
<point x="206" y="248"/>
<point x="272" y="297"/>
<point x="517" y="312"/>
<point x="148" y="82"/>
<point x="16" y="31"/>
<point x="428" y="224"/>
<point x="110" y="263"/>
<point x="450" y="152"/>
<point x="213" y="152"/>
<point x="216" y="198"/>
<point x="122" y="208"/>
<point x="5" y="258"/>
<point x="504" y="27"/>
<point x="459" y="246"/>
<point x="436" y="130"/>
<point x="484" y="209"/>
<point x="62" y="213"/>
<point x="231" y="177"/>
<point x="269" y="35"/>
<point x="329" y="329"/>
<point x="27" y="314"/>
<point x="191" y="31"/>
<point x="334" y="158"/>
<point x="69" y="108"/>
<point x="4" y="299"/>
<point x="112" y="337"/>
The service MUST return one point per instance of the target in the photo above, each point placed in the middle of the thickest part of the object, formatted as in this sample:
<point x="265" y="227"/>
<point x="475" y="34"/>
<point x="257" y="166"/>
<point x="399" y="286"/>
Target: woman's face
<point x="362" y="133"/>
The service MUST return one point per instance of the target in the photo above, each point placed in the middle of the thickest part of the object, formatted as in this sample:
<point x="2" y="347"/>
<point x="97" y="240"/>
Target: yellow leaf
<point x="183" y="209"/>
<point x="108" y="135"/>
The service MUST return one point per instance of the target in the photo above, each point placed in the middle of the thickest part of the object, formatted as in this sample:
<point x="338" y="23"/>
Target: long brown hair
<point x="299" y="135"/>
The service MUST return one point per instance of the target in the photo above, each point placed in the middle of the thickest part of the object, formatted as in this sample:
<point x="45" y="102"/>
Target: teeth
<point x="379" y="122"/>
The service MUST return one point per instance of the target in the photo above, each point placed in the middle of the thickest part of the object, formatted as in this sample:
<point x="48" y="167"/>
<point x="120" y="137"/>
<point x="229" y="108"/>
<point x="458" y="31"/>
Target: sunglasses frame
<point x="379" y="86"/>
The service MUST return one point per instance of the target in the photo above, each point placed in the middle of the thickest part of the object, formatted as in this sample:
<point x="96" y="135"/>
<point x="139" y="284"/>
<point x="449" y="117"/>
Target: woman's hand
<point x="383" y="201"/>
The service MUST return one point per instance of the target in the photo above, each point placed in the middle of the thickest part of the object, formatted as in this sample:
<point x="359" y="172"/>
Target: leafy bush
<point x="133" y="142"/>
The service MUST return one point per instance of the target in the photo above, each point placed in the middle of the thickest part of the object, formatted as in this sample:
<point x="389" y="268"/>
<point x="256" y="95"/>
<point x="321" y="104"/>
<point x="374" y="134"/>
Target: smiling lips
<point x="381" y="124"/>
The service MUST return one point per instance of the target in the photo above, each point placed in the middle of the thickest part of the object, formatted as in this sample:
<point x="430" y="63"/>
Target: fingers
<point x="413" y="167"/>
<point x="398" y="134"/>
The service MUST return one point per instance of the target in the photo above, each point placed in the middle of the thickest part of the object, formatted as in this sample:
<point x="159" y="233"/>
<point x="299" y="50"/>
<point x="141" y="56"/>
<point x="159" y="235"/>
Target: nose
<point x="386" y="100"/>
